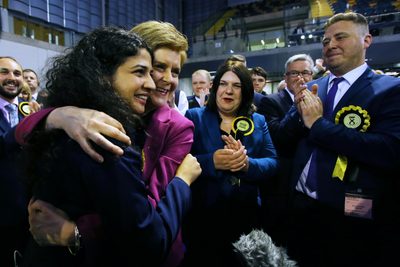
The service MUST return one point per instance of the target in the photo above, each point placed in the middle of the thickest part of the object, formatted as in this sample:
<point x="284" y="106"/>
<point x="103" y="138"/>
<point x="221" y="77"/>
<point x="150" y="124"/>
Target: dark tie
<point x="12" y="110"/>
<point x="311" y="181"/>
<point x="330" y="98"/>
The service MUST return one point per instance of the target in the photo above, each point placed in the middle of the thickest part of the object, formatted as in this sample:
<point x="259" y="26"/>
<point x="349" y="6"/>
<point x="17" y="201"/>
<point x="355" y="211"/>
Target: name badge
<point x="358" y="205"/>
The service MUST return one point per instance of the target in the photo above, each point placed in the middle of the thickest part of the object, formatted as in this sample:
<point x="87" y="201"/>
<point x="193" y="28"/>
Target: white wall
<point x="28" y="56"/>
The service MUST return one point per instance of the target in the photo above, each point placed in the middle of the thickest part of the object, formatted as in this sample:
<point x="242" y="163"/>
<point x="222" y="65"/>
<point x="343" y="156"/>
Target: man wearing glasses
<point x="275" y="107"/>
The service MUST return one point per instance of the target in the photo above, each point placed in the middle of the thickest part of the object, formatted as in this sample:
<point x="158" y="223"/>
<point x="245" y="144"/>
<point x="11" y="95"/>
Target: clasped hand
<point x="308" y="103"/>
<point x="233" y="157"/>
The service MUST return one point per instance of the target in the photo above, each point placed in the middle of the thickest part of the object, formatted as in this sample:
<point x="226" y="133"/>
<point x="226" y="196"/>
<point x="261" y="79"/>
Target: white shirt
<point x="183" y="104"/>
<point x="35" y="95"/>
<point x="291" y="95"/>
<point x="349" y="79"/>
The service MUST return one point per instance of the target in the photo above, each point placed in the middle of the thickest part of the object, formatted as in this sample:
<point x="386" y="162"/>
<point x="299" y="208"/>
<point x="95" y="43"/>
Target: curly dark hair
<point x="246" y="107"/>
<point x="83" y="78"/>
<point x="77" y="78"/>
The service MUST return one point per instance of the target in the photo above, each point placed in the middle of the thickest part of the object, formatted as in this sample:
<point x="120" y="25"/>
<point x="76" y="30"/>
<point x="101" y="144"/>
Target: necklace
<point x="226" y="122"/>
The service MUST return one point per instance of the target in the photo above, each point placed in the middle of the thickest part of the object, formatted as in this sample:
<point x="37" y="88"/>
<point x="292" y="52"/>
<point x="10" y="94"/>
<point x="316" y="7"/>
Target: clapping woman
<point x="235" y="152"/>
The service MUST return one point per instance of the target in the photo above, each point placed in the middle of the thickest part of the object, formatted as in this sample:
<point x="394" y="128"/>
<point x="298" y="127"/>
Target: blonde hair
<point x="357" y="18"/>
<point x="158" y="34"/>
<point x="203" y="72"/>
<point x="25" y="87"/>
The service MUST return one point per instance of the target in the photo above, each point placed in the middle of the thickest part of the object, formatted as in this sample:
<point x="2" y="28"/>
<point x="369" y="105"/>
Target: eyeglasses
<point x="24" y="92"/>
<point x="295" y="73"/>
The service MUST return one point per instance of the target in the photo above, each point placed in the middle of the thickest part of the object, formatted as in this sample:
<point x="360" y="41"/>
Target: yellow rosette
<point x="353" y="117"/>
<point x="24" y="108"/>
<point x="242" y="126"/>
<point x="143" y="159"/>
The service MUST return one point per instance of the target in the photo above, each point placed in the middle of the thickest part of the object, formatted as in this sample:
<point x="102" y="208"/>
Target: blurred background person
<point x="31" y="78"/>
<point x="259" y="77"/>
<point x="26" y="92"/>
<point x="201" y="84"/>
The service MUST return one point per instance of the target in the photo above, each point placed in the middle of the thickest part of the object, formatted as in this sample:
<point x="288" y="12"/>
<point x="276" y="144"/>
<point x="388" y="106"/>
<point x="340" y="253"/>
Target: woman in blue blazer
<point x="225" y="196"/>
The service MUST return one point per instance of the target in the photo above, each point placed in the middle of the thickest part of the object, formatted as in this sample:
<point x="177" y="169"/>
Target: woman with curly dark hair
<point x="109" y="71"/>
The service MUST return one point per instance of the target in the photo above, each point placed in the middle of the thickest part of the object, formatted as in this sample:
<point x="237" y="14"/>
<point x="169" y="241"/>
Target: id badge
<point x="359" y="204"/>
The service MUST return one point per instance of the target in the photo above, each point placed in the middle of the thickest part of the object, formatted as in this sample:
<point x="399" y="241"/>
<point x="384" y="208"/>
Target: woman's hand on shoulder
<point x="83" y="125"/>
<point x="189" y="169"/>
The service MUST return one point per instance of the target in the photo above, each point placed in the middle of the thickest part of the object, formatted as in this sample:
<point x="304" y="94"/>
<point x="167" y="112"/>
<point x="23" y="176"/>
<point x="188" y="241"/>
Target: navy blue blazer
<point x="207" y="139"/>
<point x="13" y="196"/>
<point x="138" y="233"/>
<point x="275" y="108"/>
<point x="257" y="99"/>
<point x="222" y="210"/>
<point x="375" y="153"/>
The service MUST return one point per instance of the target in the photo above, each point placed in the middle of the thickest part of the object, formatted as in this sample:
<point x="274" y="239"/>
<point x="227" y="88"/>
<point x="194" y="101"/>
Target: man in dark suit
<point x="259" y="78"/>
<point x="275" y="107"/>
<point x="345" y="183"/>
<point x="201" y="84"/>
<point x="13" y="196"/>
<point x="31" y="78"/>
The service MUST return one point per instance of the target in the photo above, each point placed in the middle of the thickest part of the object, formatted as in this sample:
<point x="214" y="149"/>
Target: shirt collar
<point x="4" y="103"/>
<point x="352" y="75"/>
<point x="35" y="95"/>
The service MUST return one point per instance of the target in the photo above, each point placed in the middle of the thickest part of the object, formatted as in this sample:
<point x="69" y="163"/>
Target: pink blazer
<point x="169" y="140"/>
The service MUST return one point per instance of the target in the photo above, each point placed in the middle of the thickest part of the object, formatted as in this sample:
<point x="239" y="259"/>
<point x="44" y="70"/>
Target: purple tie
<point x="12" y="110"/>
<point x="330" y="98"/>
<point x="311" y="181"/>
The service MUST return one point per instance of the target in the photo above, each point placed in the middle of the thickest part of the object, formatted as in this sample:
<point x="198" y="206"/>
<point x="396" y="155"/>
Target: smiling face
<point x="344" y="47"/>
<point x="166" y="69"/>
<point x="10" y="79"/>
<point x="229" y="94"/>
<point x="133" y="82"/>
<point x="300" y="66"/>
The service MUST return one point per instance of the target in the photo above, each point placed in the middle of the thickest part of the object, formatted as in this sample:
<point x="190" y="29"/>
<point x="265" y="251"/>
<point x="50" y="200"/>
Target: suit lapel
<point x="154" y="143"/>
<point x="20" y="115"/>
<point x="322" y="88"/>
<point x="212" y="127"/>
<point x="4" y="126"/>
<point x="363" y="81"/>
<point x="286" y="100"/>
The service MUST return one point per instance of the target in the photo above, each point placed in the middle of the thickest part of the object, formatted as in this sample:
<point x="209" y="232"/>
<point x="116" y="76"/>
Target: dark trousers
<point x="13" y="238"/>
<point x="323" y="236"/>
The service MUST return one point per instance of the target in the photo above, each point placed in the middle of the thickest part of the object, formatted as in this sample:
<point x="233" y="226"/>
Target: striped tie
<point x="12" y="110"/>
